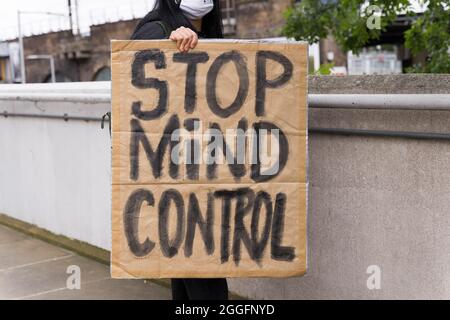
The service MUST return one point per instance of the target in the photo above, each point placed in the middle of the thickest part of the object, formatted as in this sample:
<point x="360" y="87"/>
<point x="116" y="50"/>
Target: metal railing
<point x="95" y="93"/>
<point x="100" y="92"/>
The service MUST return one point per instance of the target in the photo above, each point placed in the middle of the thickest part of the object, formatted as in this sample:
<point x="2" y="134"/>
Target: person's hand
<point x="185" y="38"/>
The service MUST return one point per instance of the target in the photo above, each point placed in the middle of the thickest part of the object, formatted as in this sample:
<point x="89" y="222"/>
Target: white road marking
<point x="57" y="290"/>
<point x="37" y="262"/>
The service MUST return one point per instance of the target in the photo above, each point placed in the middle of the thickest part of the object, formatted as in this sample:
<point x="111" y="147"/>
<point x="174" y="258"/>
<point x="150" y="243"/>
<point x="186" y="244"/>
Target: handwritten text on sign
<point x="209" y="160"/>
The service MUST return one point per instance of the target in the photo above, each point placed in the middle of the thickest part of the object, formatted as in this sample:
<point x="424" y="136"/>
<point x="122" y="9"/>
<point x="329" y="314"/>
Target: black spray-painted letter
<point x="131" y="222"/>
<point x="262" y="83"/>
<point x="191" y="59"/>
<point x="139" y="80"/>
<point x="211" y="83"/>
<point x="170" y="247"/>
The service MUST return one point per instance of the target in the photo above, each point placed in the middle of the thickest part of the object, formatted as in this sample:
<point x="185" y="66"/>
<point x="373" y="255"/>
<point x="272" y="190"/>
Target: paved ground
<point x="33" y="269"/>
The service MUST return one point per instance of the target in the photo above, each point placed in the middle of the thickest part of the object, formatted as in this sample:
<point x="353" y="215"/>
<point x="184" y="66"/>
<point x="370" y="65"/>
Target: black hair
<point x="169" y="12"/>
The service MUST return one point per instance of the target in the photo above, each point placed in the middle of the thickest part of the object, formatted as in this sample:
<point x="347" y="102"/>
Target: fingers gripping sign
<point x="185" y="38"/>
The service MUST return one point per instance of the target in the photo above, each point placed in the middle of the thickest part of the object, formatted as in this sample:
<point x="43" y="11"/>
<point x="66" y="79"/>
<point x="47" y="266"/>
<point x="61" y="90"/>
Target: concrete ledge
<point x="87" y="92"/>
<point x="381" y="84"/>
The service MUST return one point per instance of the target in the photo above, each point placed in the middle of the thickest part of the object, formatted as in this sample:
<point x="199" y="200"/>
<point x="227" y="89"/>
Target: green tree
<point x="349" y="21"/>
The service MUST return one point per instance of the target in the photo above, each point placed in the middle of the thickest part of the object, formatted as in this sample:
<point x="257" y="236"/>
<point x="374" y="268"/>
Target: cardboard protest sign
<point x="209" y="160"/>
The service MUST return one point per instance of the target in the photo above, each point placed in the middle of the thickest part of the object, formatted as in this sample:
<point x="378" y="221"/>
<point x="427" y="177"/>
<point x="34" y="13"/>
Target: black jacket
<point x="159" y="23"/>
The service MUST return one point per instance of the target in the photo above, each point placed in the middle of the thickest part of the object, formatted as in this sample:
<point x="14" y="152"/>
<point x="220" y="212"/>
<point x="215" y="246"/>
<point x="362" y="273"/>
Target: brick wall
<point x="101" y="36"/>
<point x="50" y="43"/>
<point x="260" y="18"/>
<point x="63" y="44"/>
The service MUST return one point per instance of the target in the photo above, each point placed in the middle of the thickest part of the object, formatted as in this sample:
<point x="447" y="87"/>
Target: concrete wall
<point x="55" y="173"/>
<point x="372" y="201"/>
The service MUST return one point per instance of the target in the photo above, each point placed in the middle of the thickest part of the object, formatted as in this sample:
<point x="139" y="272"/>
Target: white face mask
<point x="196" y="9"/>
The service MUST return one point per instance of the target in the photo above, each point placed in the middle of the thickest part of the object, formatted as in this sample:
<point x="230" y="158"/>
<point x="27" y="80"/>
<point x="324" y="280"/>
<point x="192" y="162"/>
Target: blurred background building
<point x="81" y="51"/>
<point x="83" y="54"/>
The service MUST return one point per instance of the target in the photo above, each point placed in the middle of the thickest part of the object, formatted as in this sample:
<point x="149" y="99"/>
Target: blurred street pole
<point x="51" y="60"/>
<point x="78" y="16"/>
<point x="19" y="27"/>
<point x="74" y="21"/>
<point x="69" y="4"/>
<point x="22" y="54"/>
